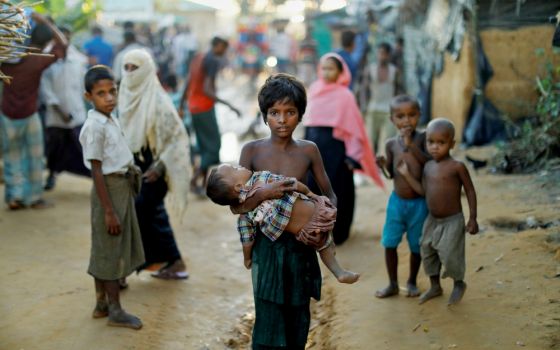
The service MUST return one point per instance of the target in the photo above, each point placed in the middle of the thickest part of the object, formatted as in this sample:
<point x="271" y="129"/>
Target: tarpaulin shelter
<point x="443" y="43"/>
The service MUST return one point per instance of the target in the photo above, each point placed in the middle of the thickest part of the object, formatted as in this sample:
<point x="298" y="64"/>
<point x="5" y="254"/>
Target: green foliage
<point x="537" y="140"/>
<point x="77" y="16"/>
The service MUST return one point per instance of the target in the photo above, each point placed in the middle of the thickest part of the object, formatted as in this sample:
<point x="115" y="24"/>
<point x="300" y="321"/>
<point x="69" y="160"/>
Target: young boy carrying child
<point x="406" y="210"/>
<point x="116" y="249"/>
<point x="285" y="273"/>
<point x="443" y="238"/>
<point x="298" y="212"/>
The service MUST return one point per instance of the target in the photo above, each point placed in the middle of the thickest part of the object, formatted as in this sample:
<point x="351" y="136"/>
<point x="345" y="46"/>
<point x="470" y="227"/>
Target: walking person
<point x="160" y="145"/>
<point x="20" y="125"/>
<point x="333" y="122"/>
<point x="62" y="89"/>
<point x="200" y="91"/>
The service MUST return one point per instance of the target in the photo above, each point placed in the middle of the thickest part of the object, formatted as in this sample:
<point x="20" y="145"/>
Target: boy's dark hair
<point x="337" y="63"/>
<point x="285" y="88"/>
<point x="385" y="46"/>
<point x="171" y="81"/>
<point x="218" y="190"/>
<point x="128" y="25"/>
<point x="218" y="40"/>
<point x="95" y="74"/>
<point x="41" y="35"/>
<point x="129" y="36"/>
<point x="96" y="30"/>
<point x="443" y="124"/>
<point x="400" y="99"/>
<point x="347" y="38"/>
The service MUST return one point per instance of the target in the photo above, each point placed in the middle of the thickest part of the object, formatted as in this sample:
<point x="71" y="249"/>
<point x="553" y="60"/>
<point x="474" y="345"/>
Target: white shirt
<point x="63" y="84"/>
<point x="281" y="46"/>
<point x="102" y="139"/>
<point x="381" y="92"/>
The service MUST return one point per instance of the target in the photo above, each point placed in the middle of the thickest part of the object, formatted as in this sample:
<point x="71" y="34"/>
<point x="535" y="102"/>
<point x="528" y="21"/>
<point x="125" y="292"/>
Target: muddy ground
<point x="512" y="301"/>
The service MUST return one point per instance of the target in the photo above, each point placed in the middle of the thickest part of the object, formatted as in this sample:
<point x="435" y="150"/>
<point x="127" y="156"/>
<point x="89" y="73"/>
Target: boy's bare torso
<point x="395" y="153"/>
<point x="443" y="184"/>
<point x="292" y="161"/>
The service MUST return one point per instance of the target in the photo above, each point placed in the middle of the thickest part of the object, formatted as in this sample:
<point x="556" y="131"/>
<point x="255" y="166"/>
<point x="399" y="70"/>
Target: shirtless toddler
<point x="443" y="237"/>
<point x="298" y="212"/>
<point x="406" y="210"/>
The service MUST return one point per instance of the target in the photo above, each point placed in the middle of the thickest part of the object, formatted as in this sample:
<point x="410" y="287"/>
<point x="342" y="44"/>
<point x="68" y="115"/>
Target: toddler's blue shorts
<point x="404" y="215"/>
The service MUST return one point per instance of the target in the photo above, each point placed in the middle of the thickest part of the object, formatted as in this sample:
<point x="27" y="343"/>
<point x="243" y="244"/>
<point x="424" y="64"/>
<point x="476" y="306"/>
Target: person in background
<point x="130" y="43"/>
<point x="20" y="125"/>
<point x="183" y="49"/>
<point x="201" y="93"/>
<point x="382" y="86"/>
<point x="97" y="49"/>
<point x="157" y="138"/>
<point x="307" y="58"/>
<point x="348" y="42"/>
<point x="397" y="59"/>
<point x="62" y="90"/>
<point x="281" y="46"/>
<point x="334" y="123"/>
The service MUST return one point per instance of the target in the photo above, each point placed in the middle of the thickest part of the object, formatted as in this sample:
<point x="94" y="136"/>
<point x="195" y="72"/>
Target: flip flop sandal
<point x="170" y="275"/>
<point x="16" y="205"/>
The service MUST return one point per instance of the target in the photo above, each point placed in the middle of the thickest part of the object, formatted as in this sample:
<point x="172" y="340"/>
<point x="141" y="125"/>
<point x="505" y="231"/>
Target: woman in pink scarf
<point x="333" y="121"/>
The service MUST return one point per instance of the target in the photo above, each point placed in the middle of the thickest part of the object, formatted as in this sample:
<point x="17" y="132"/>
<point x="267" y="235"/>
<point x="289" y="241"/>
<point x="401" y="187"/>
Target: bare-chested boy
<point x="406" y="210"/>
<point x="285" y="272"/>
<point x="443" y="238"/>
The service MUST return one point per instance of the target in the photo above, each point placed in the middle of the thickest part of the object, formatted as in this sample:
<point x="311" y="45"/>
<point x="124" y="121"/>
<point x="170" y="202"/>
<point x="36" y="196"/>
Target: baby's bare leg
<point x="117" y="316"/>
<point x="342" y="275"/>
<point x="101" y="306"/>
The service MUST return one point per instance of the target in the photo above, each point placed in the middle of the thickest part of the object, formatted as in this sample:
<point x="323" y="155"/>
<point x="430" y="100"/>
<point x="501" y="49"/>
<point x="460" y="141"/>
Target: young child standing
<point x="406" y="210"/>
<point x="116" y="242"/>
<point x="443" y="237"/>
<point x="296" y="212"/>
<point x="285" y="272"/>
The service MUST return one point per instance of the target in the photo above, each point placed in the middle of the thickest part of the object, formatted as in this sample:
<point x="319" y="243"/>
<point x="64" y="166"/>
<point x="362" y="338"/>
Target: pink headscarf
<point x="334" y="105"/>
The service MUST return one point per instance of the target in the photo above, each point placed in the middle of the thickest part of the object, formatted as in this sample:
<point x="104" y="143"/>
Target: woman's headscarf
<point x="149" y="119"/>
<point x="333" y="105"/>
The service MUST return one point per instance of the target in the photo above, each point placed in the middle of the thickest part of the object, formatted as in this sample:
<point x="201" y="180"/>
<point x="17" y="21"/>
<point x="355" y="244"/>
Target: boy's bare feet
<point x="389" y="291"/>
<point x="433" y="292"/>
<point x="101" y="310"/>
<point x="120" y="318"/>
<point x="348" y="277"/>
<point x="412" y="290"/>
<point x="459" y="289"/>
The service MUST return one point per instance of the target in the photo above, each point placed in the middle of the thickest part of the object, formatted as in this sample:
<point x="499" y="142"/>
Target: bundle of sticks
<point x="13" y="28"/>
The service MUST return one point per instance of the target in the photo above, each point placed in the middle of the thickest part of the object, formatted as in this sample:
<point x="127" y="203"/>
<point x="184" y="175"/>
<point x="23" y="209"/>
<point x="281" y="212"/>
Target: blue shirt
<point x="100" y="49"/>
<point x="351" y="63"/>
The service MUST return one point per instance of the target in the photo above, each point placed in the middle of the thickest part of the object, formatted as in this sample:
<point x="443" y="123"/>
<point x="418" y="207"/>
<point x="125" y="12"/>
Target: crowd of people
<point x="293" y="197"/>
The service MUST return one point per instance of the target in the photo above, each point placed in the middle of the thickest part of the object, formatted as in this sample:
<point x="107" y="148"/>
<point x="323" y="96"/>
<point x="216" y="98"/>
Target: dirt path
<point x="46" y="296"/>
<point x="512" y="301"/>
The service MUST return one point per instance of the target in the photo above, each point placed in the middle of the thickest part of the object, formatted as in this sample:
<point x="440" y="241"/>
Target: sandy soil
<point x="514" y="301"/>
